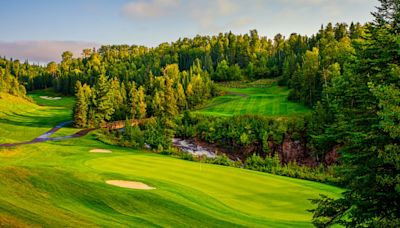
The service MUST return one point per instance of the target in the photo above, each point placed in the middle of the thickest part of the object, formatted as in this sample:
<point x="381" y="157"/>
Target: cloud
<point x="308" y="2"/>
<point x="212" y="16"/>
<point x="226" y="7"/>
<point x="208" y="15"/>
<point x="149" y="9"/>
<point x="42" y="51"/>
<point x="241" y="22"/>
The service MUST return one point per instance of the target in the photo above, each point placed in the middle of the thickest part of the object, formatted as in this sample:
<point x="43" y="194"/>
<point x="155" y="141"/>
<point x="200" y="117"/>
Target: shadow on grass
<point x="50" y="119"/>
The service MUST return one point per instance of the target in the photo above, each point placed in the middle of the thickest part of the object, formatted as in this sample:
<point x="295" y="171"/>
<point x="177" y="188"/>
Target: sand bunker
<point x="129" y="184"/>
<point x="50" y="98"/>
<point x="100" y="151"/>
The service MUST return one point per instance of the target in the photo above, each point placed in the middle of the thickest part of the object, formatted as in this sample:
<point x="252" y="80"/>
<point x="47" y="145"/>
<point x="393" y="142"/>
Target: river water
<point x="190" y="147"/>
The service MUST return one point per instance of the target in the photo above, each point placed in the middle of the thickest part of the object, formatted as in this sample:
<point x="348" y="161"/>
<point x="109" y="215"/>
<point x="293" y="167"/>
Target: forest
<point x="347" y="75"/>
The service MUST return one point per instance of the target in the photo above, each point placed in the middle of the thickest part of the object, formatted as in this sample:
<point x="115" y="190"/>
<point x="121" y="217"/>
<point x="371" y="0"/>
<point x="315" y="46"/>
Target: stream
<point x="190" y="147"/>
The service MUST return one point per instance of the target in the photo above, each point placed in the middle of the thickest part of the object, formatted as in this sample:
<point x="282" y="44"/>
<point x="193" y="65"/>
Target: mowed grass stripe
<point x="240" y="184"/>
<point x="60" y="183"/>
<point x="270" y="101"/>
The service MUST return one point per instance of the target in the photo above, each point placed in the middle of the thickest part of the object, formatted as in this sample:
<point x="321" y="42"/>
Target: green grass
<point x="270" y="101"/>
<point x="60" y="183"/>
<point x="63" y="102"/>
<point x="21" y="120"/>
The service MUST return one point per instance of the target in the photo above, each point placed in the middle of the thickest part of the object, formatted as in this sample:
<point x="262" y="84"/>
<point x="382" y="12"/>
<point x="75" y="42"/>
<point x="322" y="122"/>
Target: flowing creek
<point x="189" y="146"/>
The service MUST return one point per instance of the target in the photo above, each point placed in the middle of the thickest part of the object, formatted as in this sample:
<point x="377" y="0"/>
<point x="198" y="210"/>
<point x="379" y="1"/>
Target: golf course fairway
<point x="270" y="101"/>
<point x="61" y="183"/>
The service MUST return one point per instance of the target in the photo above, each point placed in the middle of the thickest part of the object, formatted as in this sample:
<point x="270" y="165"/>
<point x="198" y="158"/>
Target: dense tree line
<point x="349" y="74"/>
<point x="10" y="71"/>
<point x="359" y="110"/>
<point x="163" y="96"/>
<point x="333" y="50"/>
<point x="304" y="63"/>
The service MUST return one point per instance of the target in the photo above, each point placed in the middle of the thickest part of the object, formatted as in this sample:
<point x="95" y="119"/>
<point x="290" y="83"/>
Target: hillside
<point x="61" y="183"/>
<point x="21" y="120"/>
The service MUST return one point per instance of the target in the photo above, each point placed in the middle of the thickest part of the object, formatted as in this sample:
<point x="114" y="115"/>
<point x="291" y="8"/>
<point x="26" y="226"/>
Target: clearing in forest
<point x="269" y="101"/>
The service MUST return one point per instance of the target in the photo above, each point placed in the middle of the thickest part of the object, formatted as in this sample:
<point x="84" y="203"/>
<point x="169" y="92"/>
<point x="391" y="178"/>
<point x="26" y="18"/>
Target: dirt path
<point x="46" y="136"/>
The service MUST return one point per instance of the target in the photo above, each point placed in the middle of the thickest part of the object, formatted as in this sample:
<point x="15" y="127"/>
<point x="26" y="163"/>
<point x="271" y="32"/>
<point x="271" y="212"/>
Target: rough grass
<point x="60" y="183"/>
<point x="271" y="101"/>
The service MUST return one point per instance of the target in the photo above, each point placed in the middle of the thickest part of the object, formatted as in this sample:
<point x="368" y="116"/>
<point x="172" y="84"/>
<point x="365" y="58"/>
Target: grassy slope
<point x="61" y="183"/>
<point x="21" y="120"/>
<point x="270" y="101"/>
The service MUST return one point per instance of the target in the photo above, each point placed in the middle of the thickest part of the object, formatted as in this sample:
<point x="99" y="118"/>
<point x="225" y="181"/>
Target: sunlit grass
<point x="60" y="183"/>
<point x="270" y="101"/>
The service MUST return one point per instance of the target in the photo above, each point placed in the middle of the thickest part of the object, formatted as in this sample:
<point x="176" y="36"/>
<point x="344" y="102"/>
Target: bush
<point x="292" y="169"/>
<point x="156" y="136"/>
<point x="133" y="135"/>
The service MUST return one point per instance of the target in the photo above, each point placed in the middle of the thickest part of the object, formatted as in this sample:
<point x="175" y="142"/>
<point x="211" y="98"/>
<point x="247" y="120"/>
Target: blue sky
<point x="40" y="30"/>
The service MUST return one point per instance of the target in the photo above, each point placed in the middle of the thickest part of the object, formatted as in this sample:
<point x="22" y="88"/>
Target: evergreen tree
<point x="190" y="95"/>
<point x="310" y="82"/>
<point x="104" y="103"/>
<point x="81" y="106"/>
<point x="181" y="97"/>
<point x="142" y="107"/>
<point x="171" y="108"/>
<point x="116" y="90"/>
<point x="133" y="101"/>
<point x="366" y="112"/>
<point x="157" y="103"/>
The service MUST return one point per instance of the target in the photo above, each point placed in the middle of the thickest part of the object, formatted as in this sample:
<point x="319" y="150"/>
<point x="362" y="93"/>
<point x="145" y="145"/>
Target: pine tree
<point x="142" y="107"/>
<point x="181" y="97"/>
<point x="190" y="95"/>
<point x="81" y="106"/>
<point x="104" y="104"/>
<point x="133" y="101"/>
<point x="157" y="103"/>
<point x="388" y="14"/>
<point x="310" y="77"/>
<point x="366" y="111"/>
<point x="171" y="108"/>
<point x="117" y="98"/>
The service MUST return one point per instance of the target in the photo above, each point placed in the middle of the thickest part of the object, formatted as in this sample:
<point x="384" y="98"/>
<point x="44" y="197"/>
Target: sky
<point x="40" y="30"/>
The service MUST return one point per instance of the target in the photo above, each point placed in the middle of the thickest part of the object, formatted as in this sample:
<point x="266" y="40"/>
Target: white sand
<point x="129" y="184"/>
<point x="50" y="98"/>
<point x="100" y="151"/>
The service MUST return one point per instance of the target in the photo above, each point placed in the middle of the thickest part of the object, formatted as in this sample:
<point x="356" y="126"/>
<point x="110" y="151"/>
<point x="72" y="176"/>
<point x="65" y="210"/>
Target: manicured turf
<point x="270" y="101"/>
<point x="21" y="120"/>
<point x="60" y="183"/>
<point x="63" y="102"/>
